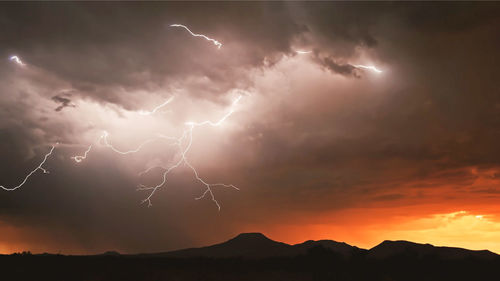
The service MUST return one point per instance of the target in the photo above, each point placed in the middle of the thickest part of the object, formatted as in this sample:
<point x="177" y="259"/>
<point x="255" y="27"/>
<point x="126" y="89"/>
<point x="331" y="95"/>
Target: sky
<point x="310" y="144"/>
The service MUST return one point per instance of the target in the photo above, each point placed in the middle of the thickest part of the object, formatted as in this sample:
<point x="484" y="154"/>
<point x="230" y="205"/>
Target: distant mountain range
<point x="257" y="245"/>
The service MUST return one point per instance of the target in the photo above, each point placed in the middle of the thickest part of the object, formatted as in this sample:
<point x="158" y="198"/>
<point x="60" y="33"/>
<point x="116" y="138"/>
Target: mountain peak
<point x="251" y="236"/>
<point x="253" y="241"/>
<point x="251" y="245"/>
<point x="341" y="248"/>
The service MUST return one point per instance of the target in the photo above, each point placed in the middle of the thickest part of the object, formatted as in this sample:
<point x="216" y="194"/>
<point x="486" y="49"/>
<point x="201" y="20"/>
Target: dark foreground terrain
<point x="255" y="257"/>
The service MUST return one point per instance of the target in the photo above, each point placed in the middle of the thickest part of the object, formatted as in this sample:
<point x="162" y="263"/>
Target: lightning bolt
<point x="215" y="124"/>
<point x="142" y="112"/>
<point x="151" y="168"/>
<point x="188" y="136"/>
<point x="104" y="138"/>
<point x="17" y="60"/>
<point x="39" y="167"/>
<point x="80" y="158"/>
<point x="373" y="68"/>
<point x="216" y="43"/>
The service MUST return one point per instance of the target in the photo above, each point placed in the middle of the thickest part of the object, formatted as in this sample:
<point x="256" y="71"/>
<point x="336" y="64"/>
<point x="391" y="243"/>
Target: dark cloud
<point x="64" y="100"/>
<point x="343" y="69"/>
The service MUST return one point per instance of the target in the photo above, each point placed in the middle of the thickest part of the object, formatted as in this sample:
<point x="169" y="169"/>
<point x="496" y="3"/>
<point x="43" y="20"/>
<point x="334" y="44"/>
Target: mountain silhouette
<point x="253" y="256"/>
<point x="257" y="245"/>
<point x="389" y="249"/>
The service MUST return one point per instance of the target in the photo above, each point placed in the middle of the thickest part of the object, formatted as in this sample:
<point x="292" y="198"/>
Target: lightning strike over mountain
<point x="17" y="60"/>
<point x="39" y="167"/>
<point x="373" y="68"/>
<point x="215" y="42"/>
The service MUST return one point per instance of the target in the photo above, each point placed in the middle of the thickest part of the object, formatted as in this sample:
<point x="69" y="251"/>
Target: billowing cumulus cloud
<point x="313" y="141"/>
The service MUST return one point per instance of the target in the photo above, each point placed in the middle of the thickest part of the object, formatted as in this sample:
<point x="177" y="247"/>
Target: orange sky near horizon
<point x="470" y="221"/>
<point x="461" y="229"/>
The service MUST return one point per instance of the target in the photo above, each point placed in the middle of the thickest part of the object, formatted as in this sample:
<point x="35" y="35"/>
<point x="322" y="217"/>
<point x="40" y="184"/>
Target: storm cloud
<point x="312" y="138"/>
